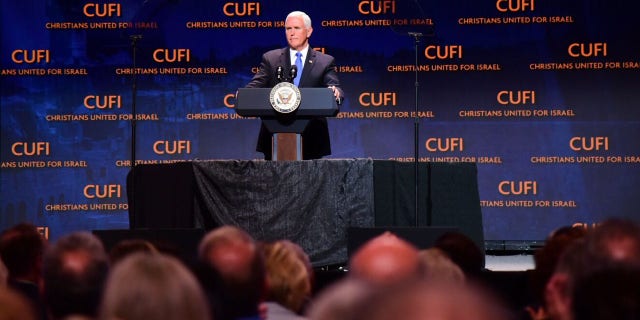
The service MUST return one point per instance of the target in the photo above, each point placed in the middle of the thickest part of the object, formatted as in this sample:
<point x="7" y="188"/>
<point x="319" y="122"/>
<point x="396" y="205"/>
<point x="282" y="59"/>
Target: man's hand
<point x="336" y="94"/>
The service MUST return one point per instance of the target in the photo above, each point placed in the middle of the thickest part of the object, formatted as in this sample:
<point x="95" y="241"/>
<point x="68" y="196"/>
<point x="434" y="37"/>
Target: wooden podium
<point x="287" y="128"/>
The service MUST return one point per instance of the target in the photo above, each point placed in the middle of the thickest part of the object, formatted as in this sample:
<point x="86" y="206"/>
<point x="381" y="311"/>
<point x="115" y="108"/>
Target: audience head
<point x="385" y="259"/>
<point x="14" y="306"/>
<point x="613" y="243"/>
<point x="437" y="266"/>
<point x="546" y="258"/>
<point x="288" y="275"/>
<point x="234" y="273"/>
<point x="613" y="293"/>
<point x="303" y="256"/>
<point x="462" y="251"/>
<point x="418" y="300"/>
<point x="21" y="250"/>
<point x="4" y="274"/>
<point x="75" y="269"/>
<point x="339" y="300"/>
<point x="129" y="246"/>
<point x="152" y="286"/>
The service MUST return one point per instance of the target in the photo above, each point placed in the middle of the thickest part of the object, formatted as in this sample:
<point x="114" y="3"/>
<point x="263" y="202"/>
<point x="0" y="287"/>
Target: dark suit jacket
<point x="318" y="71"/>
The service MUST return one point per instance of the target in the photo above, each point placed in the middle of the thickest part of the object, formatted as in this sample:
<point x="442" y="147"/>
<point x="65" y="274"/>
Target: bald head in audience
<point x="385" y="259"/>
<point x="234" y="274"/>
<point x="75" y="270"/>
<point x="230" y="250"/>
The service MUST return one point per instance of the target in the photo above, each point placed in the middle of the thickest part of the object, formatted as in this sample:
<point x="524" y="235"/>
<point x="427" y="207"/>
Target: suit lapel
<point x="308" y="65"/>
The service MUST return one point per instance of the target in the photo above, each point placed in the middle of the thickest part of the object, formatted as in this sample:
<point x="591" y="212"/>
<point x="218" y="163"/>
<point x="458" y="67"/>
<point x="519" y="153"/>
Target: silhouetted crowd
<point x="579" y="274"/>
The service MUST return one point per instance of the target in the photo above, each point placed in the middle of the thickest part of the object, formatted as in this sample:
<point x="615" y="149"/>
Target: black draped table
<point x="310" y="202"/>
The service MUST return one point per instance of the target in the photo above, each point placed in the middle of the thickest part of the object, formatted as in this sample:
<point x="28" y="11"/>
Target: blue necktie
<point x="296" y="81"/>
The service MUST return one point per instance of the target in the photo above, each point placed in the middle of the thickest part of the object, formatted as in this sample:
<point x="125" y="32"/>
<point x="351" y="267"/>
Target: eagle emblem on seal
<point x="285" y="97"/>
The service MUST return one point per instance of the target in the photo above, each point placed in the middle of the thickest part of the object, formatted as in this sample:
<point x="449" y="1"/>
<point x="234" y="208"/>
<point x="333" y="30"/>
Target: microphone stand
<point x="416" y="128"/>
<point x="134" y="88"/>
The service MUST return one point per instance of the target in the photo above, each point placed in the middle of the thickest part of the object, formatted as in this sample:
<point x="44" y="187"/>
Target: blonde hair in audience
<point x="437" y="266"/>
<point x="288" y="277"/>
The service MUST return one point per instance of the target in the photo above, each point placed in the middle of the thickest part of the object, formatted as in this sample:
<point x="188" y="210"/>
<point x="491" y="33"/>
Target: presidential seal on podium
<point x="285" y="97"/>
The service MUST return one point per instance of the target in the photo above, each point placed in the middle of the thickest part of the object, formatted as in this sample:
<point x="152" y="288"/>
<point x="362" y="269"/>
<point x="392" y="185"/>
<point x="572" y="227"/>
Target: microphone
<point x="279" y="73"/>
<point x="293" y="73"/>
<point x="135" y="38"/>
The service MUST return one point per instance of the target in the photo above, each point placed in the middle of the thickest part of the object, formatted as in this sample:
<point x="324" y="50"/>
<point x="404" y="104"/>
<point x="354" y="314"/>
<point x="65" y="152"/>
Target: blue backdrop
<point x="542" y="95"/>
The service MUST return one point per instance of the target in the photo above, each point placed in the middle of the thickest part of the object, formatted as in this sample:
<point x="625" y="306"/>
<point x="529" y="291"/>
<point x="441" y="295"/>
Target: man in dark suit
<point x="318" y="70"/>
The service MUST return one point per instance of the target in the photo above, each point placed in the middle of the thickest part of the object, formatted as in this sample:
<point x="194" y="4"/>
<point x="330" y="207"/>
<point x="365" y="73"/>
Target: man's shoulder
<point x="322" y="56"/>
<point x="275" y="52"/>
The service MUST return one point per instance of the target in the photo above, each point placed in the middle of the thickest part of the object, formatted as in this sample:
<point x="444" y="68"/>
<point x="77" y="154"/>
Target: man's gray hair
<point x="305" y="17"/>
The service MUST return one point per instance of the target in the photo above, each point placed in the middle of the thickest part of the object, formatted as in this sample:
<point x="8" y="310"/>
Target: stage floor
<point x="520" y="262"/>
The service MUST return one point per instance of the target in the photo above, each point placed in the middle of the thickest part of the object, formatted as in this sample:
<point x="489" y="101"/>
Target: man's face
<point x="297" y="34"/>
